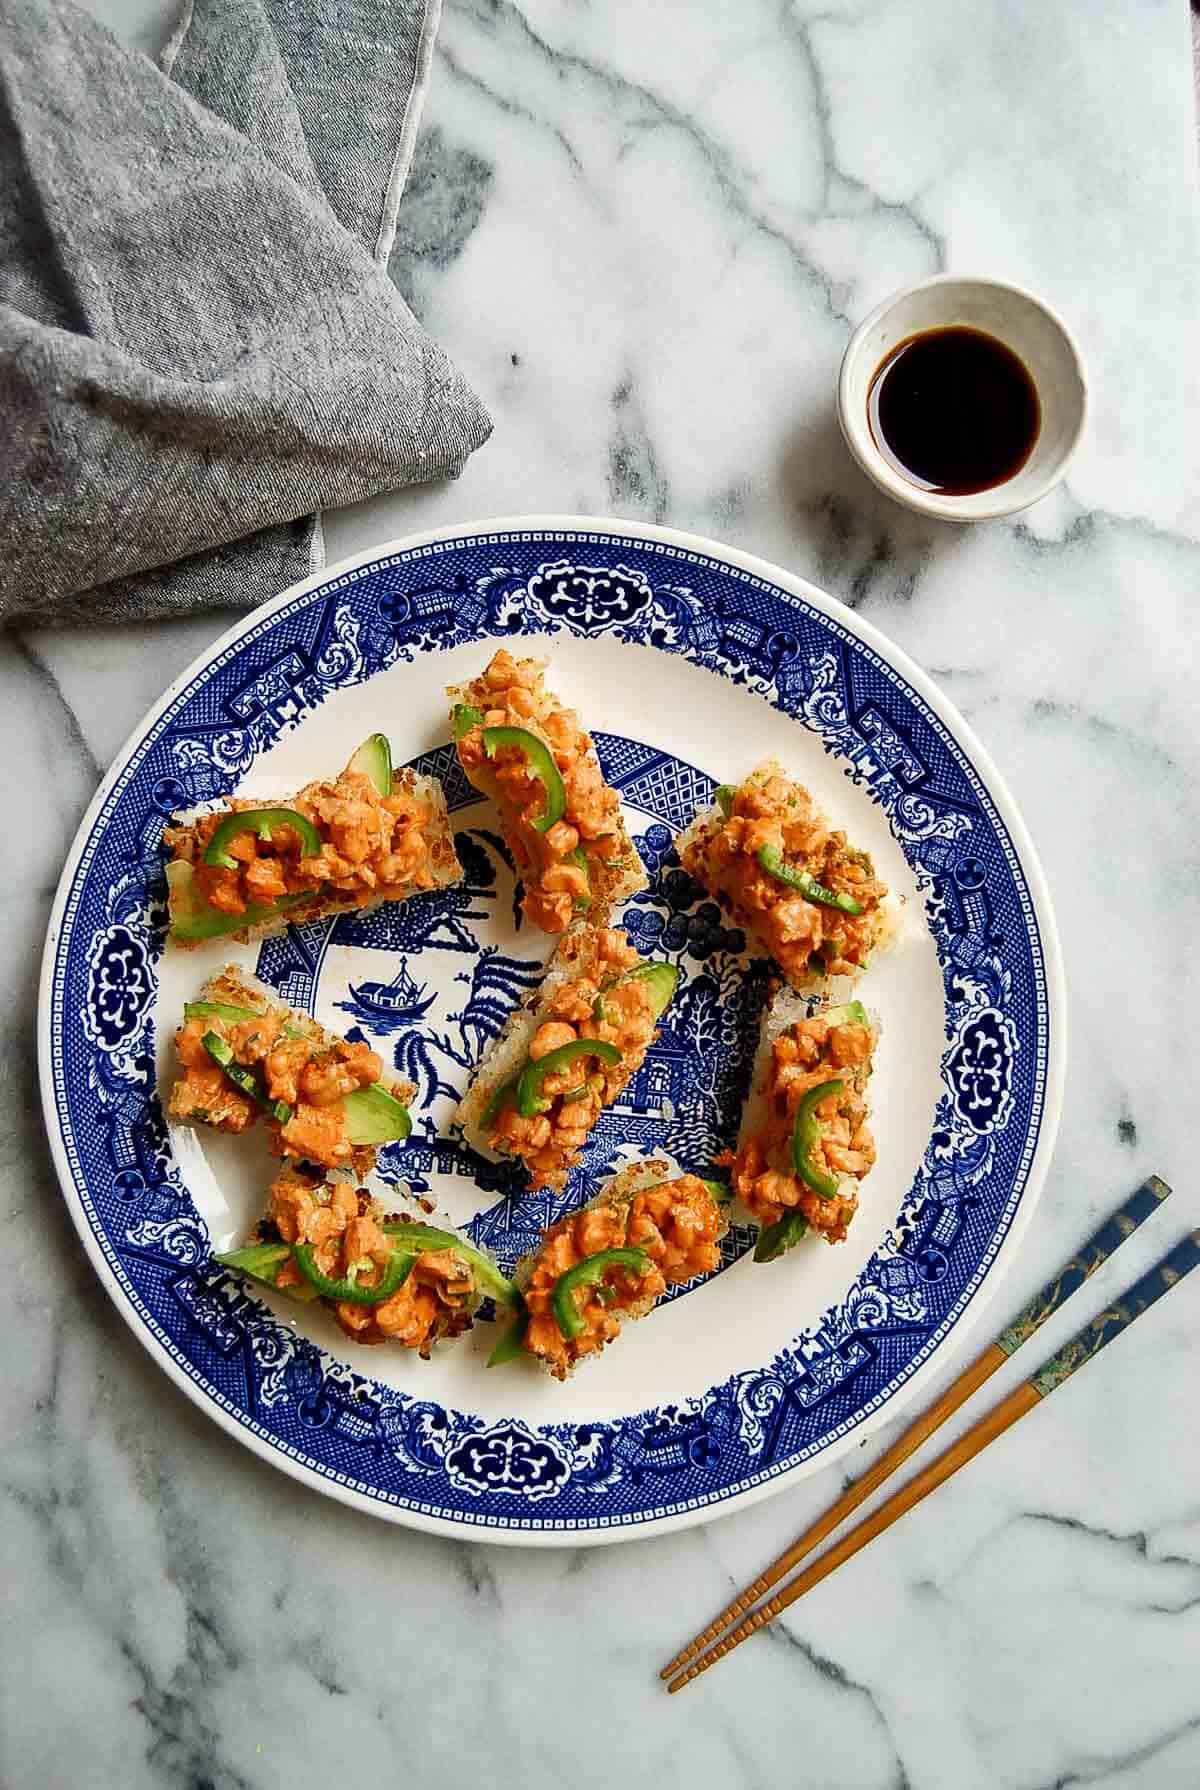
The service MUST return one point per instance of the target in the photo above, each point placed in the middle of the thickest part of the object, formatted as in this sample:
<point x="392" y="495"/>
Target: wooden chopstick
<point x="1082" y="1347"/>
<point x="1087" y="1343"/>
<point x="1053" y="1296"/>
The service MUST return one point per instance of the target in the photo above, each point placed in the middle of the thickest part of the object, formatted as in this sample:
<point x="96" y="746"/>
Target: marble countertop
<point x="645" y="233"/>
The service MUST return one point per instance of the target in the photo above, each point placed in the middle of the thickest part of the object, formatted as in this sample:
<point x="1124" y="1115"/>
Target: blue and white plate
<point x="690" y="662"/>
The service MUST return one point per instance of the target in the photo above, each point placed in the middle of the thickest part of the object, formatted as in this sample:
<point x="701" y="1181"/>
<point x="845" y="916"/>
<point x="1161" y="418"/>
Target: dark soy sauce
<point x="954" y="410"/>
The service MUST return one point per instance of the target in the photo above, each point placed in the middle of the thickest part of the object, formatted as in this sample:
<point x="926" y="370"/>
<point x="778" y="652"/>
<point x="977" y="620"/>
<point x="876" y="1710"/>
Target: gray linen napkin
<point x="199" y="343"/>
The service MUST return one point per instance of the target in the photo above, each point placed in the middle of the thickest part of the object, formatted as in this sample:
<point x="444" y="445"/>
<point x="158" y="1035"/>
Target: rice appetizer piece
<point x="384" y="1278"/>
<point x="245" y="1058"/>
<point x="651" y="1228"/>
<point x="351" y="842"/>
<point x="567" y="1054"/>
<point x="805" y="1146"/>
<point x="561" y="820"/>
<point x="803" y="894"/>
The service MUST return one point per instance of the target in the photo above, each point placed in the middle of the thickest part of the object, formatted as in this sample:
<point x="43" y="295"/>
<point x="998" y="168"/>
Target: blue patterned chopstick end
<point x="1105" y="1242"/>
<point x="1119" y="1315"/>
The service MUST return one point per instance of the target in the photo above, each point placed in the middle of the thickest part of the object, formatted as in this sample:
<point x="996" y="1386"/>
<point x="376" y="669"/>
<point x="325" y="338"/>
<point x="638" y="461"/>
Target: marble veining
<point x="645" y="234"/>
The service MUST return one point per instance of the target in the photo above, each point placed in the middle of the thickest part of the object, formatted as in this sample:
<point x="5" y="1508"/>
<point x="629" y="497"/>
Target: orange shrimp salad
<point x="345" y="1227"/>
<point x="807" y="937"/>
<point x="371" y="847"/>
<point x="575" y="865"/>
<point x="308" y="1071"/>
<point x="600" y="1001"/>
<point x="810" y="1054"/>
<point x="678" y="1226"/>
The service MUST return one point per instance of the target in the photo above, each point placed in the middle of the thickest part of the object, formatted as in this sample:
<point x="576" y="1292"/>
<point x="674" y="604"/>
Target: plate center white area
<point x="745" y="1315"/>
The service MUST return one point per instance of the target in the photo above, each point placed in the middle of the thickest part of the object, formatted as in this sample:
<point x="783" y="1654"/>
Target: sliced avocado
<point x="779" y="1237"/>
<point x="374" y="760"/>
<point x="219" y="1010"/>
<point x="262" y="1262"/>
<point x="853" y="1013"/>
<point x="373" y="1116"/>
<point x="662" y="979"/>
<point x="511" y="1344"/>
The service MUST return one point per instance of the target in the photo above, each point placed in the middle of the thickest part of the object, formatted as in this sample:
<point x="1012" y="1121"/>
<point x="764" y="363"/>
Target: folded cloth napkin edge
<point x="403" y="442"/>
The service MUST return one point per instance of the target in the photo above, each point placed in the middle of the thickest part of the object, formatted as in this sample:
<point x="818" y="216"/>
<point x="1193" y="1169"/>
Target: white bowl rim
<point x="965" y="508"/>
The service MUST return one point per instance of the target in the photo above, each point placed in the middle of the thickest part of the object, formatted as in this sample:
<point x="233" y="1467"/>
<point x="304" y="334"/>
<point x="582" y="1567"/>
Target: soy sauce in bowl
<point x="954" y="410"/>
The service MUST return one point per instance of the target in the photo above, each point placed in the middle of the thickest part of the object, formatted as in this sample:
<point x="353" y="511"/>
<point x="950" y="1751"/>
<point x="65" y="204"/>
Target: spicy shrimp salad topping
<point x="561" y="819"/>
<point x="594" y="1033"/>
<point x="801" y="1170"/>
<point x="613" y="1260"/>
<point x="772" y="858"/>
<point x="347" y="840"/>
<point x="240" y="1065"/>
<point x="340" y="1249"/>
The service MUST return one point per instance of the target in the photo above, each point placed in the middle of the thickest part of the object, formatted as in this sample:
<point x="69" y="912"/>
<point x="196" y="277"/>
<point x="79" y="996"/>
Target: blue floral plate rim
<point x="481" y="1518"/>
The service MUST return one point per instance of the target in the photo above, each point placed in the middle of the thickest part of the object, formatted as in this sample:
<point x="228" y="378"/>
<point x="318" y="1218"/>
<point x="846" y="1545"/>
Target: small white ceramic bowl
<point x="1027" y="326"/>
